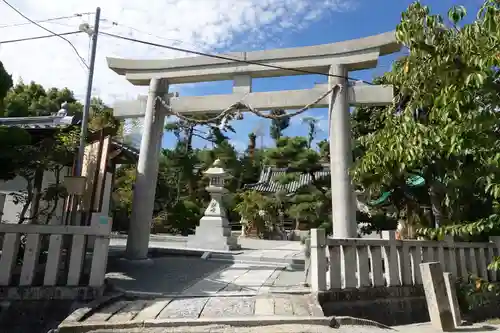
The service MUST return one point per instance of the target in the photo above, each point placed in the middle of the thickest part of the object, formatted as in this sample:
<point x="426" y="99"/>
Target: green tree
<point x="443" y="124"/>
<point x="5" y="85"/>
<point x="312" y="127"/>
<point x="28" y="100"/>
<point x="30" y="156"/>
<point x="250" y="163"/>
<point x="12" y="142"/>
<point x="258" y="211"/>
<point x="101" y="116"/>
<point x="278" y="125"/>
<point x="311" y="202"/>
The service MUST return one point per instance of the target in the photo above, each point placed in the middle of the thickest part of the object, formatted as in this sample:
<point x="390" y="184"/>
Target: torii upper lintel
<point x="355" y="54"/>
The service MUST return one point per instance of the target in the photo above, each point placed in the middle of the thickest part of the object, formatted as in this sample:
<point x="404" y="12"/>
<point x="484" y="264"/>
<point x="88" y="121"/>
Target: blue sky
<point x="369" y="17"/>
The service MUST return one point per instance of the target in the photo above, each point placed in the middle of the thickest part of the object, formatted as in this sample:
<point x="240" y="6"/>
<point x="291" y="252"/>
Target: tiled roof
<point x="129" y="150"/>
<point x="268" y="182"/>
<point x="47" y="122"/>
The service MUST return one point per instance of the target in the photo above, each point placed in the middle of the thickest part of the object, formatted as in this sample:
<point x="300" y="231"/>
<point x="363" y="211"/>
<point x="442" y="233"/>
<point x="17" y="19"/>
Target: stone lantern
<point x="214" y="232"/>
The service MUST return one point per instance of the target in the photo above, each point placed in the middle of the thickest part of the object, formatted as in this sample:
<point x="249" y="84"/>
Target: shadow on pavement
<point x="169" y="274"/>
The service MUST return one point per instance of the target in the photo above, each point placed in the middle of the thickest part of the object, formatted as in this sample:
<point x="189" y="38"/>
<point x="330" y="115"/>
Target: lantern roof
<point x="216" y="169"/>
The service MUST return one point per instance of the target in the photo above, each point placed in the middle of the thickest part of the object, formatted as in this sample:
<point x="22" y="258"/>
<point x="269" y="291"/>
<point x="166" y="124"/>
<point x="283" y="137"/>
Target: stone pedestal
<point x="214" y="232"/>
<point x="436" y="296"/>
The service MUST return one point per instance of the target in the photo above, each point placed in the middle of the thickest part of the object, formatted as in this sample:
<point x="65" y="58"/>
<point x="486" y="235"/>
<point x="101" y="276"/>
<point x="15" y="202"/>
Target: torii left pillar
<point x="343" y="197"/>
<point x="147" y="173"/>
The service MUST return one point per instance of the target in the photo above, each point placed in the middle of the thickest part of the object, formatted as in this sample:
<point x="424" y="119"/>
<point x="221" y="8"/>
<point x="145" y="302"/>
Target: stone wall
<point x="386" y="305"/>
<point x="33" y="316"/>
<point x="398" y="305"/>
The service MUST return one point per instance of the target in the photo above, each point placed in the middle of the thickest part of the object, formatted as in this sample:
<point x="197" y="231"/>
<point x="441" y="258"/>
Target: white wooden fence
<point x="358" y="263"/>
<point x="49" y="241"/>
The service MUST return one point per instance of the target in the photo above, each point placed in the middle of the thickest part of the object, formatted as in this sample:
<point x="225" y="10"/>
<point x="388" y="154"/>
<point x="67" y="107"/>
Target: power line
<point x="38" y="37"/>
<point x="46" y="20"/>
<point x="216" y="56"/>
<point x="50" y="31"/>
<point x="114" y="23"/>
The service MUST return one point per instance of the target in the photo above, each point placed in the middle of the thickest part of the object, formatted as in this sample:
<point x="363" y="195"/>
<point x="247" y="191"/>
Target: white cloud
<point x="195" y="24"/>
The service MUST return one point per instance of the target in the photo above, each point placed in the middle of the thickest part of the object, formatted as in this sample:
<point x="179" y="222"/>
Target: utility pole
<point x="93" y="32"/>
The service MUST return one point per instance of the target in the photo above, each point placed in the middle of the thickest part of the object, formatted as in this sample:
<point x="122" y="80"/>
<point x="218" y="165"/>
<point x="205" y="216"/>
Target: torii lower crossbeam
<point x="287" y="99"/>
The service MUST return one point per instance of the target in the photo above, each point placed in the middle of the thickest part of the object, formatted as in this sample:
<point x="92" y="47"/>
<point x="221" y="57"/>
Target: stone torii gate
<point x="337" y="59"/>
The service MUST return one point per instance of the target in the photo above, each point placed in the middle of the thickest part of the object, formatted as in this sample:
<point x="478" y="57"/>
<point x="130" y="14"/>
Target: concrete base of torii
<point x="213" y="233"/>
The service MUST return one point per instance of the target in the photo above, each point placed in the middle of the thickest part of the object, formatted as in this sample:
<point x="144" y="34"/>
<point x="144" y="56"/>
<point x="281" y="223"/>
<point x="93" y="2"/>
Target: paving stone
<point x="106" y="312"/>
<point x="289" y="279"/>
<point x="283" y="306"/>
<point x="184" y="308"/>
<point x="229" y="307"/>
<point x="219" y="280"/>
<point x="152" y="309"/>
<point x="268" y="284"/>
<point x="231" y="288"/>
<point x="254" y="279"/>
<point x="128" y="312"/>
<point x="300" y="306"/>
<point x="264" y="306"/>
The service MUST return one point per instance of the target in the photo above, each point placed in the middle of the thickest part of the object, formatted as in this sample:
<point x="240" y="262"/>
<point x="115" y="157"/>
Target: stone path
<point x="169" y="274"/>
<point x="257" y="282"/>
<point x="176" y="275"/>
<point x="289" y="252"/>
<point x="249" y="279"/>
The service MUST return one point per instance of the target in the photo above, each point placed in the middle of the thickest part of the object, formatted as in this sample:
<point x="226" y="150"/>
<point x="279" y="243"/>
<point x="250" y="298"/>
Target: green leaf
<point x="456" y="14"/>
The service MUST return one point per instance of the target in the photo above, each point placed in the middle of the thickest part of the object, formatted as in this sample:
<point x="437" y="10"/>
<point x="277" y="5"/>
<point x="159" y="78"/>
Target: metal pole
<point x="88" y="96"/>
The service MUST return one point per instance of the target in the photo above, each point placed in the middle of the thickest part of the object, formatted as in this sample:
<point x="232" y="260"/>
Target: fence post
<point x="318" y="260"/>
<point x="391" y="258"/>
<point x="307" y="262"/>
<point x="101" y="250"/>
<point x="451" y="263"/>
<point x="495" y="275"/>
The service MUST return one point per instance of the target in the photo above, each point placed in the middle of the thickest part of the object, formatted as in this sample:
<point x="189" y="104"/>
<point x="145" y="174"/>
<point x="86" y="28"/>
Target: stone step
<point x="236" y="322"/>
<point x="165" y="312"/>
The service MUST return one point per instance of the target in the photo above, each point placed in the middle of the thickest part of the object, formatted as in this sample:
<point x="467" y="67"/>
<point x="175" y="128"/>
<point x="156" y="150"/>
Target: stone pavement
<point x="173" y="289"/>
<point x="124" y="312"/>
<point x="163" y="275"/>
<point x="289" y="252"/>
<point x="175" y="275"/>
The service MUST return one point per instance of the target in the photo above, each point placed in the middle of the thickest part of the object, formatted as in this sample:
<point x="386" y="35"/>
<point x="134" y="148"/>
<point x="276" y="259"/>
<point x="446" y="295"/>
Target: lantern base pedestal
<point x="213" y="233"/>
